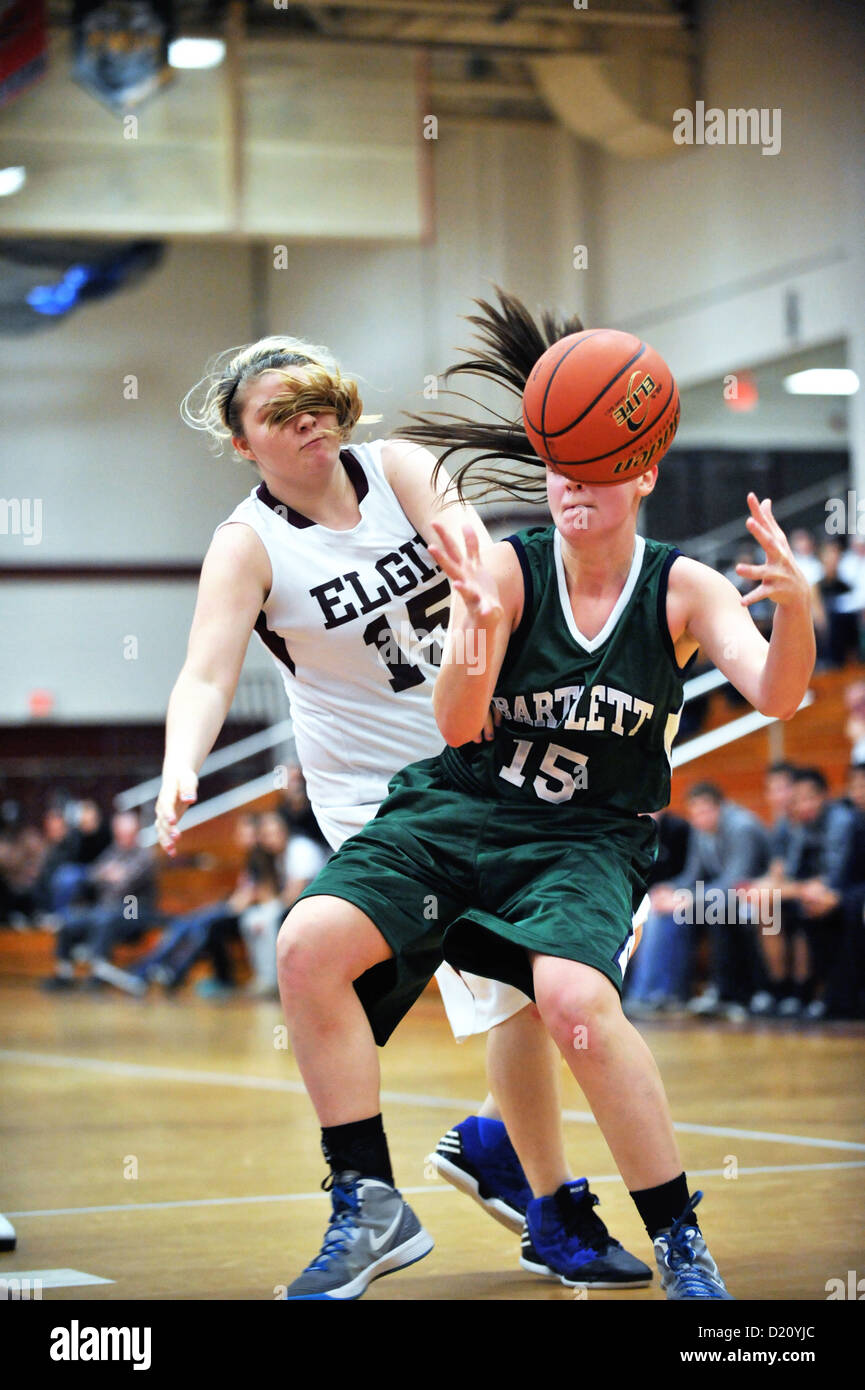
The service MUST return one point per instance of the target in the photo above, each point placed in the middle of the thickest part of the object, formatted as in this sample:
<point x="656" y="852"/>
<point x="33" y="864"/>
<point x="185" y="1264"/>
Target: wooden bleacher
<point x="813" y="738"/>
<point x="206" y="870"/>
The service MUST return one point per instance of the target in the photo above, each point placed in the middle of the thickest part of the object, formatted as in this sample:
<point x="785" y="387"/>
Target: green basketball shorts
<point x="445" y="874"/>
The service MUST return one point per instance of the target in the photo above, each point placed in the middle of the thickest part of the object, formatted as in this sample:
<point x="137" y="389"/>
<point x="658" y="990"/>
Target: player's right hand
<point x="178" y="790"/>
<point x="467" y="574"/>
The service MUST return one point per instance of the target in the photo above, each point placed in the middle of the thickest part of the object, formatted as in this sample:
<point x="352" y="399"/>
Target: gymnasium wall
<point x="123" y="480"/>
<point x="700" y="251"/>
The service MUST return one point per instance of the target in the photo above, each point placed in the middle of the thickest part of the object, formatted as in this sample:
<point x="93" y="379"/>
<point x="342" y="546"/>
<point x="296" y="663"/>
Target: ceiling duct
<point x="623" y="101"/>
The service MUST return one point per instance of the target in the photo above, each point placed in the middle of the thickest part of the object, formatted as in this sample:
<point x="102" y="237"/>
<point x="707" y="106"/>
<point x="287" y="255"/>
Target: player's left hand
<point x="780" y="578"/>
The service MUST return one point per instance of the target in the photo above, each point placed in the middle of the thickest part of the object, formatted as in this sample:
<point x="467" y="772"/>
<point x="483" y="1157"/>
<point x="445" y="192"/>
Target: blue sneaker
<point x="478" y="1158"/>
<point x="563" y="1237"/>
<point x="372" y="1231"/>
<point x="686" y="1268"/>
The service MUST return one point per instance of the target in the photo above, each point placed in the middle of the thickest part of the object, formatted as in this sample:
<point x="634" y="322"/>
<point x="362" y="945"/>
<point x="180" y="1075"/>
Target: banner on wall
<point x="23" y="48"/>
<point x="120" y="48"/>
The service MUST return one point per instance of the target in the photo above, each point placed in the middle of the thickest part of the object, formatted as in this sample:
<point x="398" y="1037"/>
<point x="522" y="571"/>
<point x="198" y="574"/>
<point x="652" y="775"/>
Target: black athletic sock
<point x="359" y="1147"/>
<point x="660" y="1206"/>
<point x="805" y="991"/>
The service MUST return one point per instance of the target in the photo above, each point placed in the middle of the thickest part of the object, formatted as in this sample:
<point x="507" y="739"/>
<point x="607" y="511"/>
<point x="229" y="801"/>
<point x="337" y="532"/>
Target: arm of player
<point x="235" y="581"/>
<point x="409" y="469"/>
<point x="704" y="608"/>
<point x="486" y="605"/>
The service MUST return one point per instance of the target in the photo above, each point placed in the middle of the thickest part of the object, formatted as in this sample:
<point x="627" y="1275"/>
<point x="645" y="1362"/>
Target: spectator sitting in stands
<point x="21" y="852"/>
<point x="123" y="881"/>
<point x="854" y="728"/>
<point x="808" y="882"/>
<point x="296" y="858"/>
<point x="762" y="610"/>
<point x="836" y="628"/>
<point x="296" y="811"/>
<point x="60" y="844"/>
<point x="845" y="985"/>
<point x="308" y="851"/>
<point x="208" y="930"/>
<point x="851" y="568"/>
<point x="778" y="789"/>
<point x="726" y="847"/>
<point x="674" y="834"/>
<point x="72" y="848"/>
<point x="805" y="554"/>
<point x="261" y="920"/>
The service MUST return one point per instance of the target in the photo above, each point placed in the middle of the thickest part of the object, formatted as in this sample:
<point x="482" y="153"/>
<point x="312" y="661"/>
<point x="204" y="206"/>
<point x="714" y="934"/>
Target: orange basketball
<point x="602" y="406"/>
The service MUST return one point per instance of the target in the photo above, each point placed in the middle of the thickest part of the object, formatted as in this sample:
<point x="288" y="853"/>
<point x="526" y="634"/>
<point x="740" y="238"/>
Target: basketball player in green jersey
<point x="534" y="848"/>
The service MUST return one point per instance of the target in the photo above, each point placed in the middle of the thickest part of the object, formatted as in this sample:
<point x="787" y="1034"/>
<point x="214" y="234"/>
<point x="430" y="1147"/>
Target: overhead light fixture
<point x="822" y="381"/>
<point x="12" y="179"/>
<point x="196" y="53"/>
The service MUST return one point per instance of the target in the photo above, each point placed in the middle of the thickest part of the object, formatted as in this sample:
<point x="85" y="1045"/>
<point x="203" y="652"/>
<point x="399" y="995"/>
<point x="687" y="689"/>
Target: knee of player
<point x="298" y="957"/>
<point x="578" y="1010"/>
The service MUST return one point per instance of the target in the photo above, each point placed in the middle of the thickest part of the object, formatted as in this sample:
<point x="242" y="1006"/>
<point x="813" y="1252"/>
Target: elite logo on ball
<point x="634" y="398"/>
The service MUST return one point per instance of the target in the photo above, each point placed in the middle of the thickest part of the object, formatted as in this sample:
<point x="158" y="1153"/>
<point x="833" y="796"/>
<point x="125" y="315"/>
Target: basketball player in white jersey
<point x="327" y="561"/>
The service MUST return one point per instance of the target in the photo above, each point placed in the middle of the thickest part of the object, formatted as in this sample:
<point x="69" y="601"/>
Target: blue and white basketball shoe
<point x="477" y="1157"/>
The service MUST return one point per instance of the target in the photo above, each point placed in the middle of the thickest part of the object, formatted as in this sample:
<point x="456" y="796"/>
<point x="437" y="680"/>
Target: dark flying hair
<point x="510" y="343"/>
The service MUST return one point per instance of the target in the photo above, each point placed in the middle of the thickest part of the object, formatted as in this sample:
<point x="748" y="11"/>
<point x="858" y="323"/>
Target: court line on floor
<point x="431" y="1187"/>
<point x="274" y="1083"/>
<point x="54" y="1278"/>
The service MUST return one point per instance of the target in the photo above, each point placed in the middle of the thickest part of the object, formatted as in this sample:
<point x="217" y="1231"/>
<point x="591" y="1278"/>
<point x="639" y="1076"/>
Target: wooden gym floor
<point x="167" y="1146"/>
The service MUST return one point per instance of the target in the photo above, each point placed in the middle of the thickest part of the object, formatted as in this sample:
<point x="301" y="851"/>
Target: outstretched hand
<point x="178" y="791"/>
<point x="779" y="578"/>
<point x="475" y="585"/>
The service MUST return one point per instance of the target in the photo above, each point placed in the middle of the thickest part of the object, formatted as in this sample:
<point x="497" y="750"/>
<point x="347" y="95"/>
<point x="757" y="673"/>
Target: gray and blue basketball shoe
<point x="686" y="1268"/>
<point x="372" y="1231"/>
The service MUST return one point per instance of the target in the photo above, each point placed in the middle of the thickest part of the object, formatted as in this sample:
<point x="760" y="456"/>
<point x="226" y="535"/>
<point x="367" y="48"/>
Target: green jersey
<point x="587" y="724"/>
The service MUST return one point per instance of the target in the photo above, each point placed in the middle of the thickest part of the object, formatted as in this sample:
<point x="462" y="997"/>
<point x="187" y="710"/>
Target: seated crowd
<point x="95" y="887"/>
<point x="746" y="920"/>
<point x="769" y="919"/>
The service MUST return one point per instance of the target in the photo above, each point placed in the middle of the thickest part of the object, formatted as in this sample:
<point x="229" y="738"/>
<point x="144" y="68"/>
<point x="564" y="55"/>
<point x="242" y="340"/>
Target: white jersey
<point x="355" y="621"/>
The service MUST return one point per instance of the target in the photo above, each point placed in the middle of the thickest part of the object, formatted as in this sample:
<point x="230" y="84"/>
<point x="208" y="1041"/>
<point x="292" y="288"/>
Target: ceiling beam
<point x="494" y="12"/>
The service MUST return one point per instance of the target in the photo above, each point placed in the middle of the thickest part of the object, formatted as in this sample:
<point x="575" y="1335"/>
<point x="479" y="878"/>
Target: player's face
<point x="304" y="444"/>
<point x="581" y="510"/>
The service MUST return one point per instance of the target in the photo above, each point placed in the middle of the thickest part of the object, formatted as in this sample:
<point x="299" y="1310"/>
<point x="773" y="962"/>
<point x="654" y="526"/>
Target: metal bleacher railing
<point x="711" y="545"/>
<point x="144" y="792"/>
